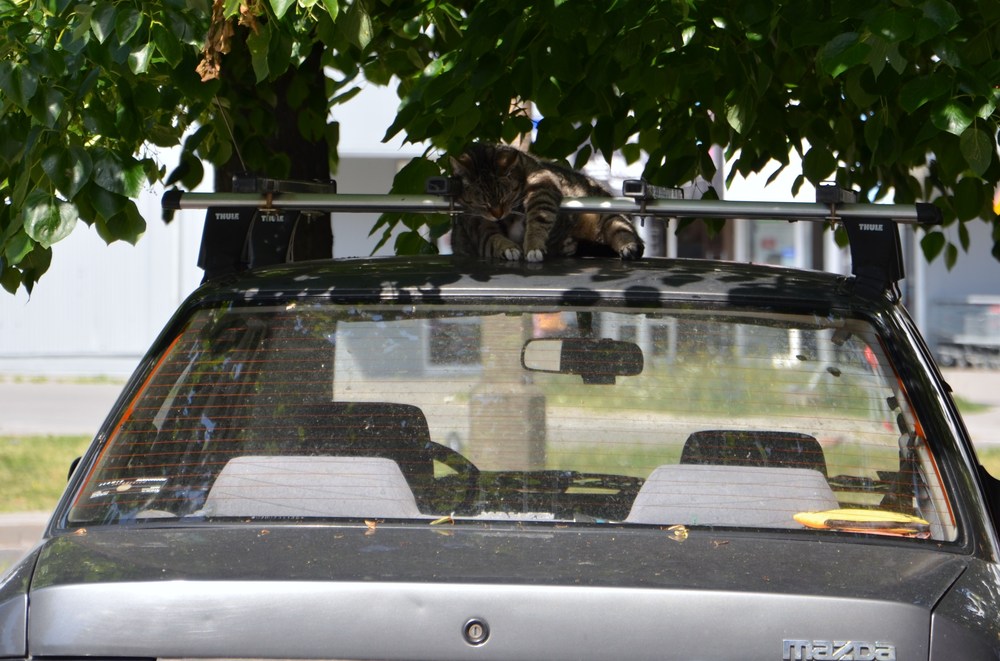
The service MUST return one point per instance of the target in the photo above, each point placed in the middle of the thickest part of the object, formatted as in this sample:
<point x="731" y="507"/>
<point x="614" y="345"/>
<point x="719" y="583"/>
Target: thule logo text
<point x="227" y="215"/>
<point x="870" y="227"/>
<point x="837" y="650"/>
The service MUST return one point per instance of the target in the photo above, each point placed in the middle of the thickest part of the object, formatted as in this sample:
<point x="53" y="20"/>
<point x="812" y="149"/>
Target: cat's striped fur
<point x="510" y="202"/>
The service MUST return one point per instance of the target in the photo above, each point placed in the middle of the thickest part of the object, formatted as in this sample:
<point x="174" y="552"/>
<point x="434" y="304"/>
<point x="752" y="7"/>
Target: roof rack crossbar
<point x="920" y="214"/>
<point x="876" y="253"/>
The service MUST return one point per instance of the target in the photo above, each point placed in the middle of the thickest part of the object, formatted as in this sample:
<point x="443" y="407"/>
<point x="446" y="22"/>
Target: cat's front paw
<point x="535" y="255"/>
<point x="510" y="254"/>
<point x="632" y="250"/>
<point x="500" y="247"/>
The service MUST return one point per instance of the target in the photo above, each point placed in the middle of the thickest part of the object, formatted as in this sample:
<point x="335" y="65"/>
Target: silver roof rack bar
<point x="661" y="208"/>
<point x="876" y="251"/>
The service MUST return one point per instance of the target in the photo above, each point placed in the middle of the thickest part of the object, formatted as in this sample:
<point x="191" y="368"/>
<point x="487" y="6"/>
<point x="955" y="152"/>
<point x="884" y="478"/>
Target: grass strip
<point x="34" y="469"/>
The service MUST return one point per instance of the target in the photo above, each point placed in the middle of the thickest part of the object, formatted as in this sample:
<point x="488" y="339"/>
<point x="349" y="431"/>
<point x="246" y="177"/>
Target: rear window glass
<point x="483" y="413"/>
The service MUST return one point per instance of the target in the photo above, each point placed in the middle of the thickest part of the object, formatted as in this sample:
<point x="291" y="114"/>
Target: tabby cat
<point x="510" y="202"/>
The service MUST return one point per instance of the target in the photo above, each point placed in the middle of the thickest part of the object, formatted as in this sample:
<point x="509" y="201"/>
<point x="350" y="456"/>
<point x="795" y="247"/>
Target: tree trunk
<point x="259" y="142"/>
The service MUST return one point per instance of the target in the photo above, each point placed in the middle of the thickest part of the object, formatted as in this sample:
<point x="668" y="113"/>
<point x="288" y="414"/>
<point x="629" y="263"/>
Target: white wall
<point x="99" y="306"/>
<point x="356" y="176"/>
<point x="367" y="165"/>
<point x="975" y="273"/>
<point x="944" y="315"/>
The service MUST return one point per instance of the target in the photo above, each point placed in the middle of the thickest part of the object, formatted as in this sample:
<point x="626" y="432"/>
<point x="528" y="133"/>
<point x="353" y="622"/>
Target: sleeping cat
<point x="510" y="203"/>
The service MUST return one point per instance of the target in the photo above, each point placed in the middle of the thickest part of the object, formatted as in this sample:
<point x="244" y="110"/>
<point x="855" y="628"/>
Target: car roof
<point x="582" y="281"/>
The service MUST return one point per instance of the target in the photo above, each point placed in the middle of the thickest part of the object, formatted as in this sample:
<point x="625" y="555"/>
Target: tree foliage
<point x="895" y="99"/>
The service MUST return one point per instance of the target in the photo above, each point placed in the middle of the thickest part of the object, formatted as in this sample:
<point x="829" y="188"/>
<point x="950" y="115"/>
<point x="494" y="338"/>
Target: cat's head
<point x="492" y="180"/>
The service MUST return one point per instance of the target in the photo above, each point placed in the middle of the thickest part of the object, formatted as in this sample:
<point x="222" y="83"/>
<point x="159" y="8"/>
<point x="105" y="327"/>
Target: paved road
<point x="18" y="533"/>
<point x="53" y="407"/>
<point x="979" y="387"/>
<point x="49" y="407"/>
<point x="74" y="407"/>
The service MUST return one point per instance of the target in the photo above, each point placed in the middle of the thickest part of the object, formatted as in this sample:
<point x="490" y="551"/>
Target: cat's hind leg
<point x="618" y="233"/>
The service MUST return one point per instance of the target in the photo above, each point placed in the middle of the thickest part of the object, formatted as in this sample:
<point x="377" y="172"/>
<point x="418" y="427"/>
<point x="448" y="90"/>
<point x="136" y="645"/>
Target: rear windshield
<point x="461" y="414"/>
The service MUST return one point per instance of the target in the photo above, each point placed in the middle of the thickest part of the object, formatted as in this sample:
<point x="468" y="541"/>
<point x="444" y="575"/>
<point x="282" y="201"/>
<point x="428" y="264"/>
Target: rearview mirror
<point x="596" y="361"/>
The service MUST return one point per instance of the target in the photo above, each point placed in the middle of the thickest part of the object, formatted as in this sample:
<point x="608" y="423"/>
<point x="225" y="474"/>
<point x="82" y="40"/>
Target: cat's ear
<point x="506" y="159"/>
<point x="460" y="165"/>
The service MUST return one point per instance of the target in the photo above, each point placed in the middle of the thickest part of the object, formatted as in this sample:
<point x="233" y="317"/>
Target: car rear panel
<point x="411" y="593"/>
<point x="434" y="589"/>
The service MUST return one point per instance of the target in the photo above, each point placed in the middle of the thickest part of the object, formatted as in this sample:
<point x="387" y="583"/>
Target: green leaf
<point x="102" y="22"/>
<point x="127" y="225"/>
<point x="874" y="127"/>
<point x="104" y="203"/>
<point x="891" y="23"/>
<point x="18" y="82"/>
<point x="896" y="59"/>
<point x="191" y="171"/>
<point x="941" y="13"/>
<point x="466" y="123"/>
<point x="134" y="225"/>
<point x="48" y="219"/>
<point x="953" y="117"/>
<point x="10" y="278"/>
<point x="280" y="7"/>
<point x="258" y="44"/>
<point x="413" y="176"/>
<point x="34" y="265"/>
<point x="68" y="169"/>
<point x="932" y="244"/>
<point x="357" y="25"/>
<point x="46" y="108"/>
<point x="167" y="44"/>
<point x="13" y="131"/>
<point x="80" y="24"/>
<point x="878" y="55"/>
<point x="332" y="8"/>
<point x="344" y="97"/>
<point x="970" y="196"/>
<point x="412" y="243"/>
<point x="963" y="236"/>
<point x="139" y="59"/>
<point x="97" y="119"/>
<point x="978" y="149"/>
<point x="734" y="116"/>
<point x="856" y="84"/>
<point x="583" y="157"/>
<point x="989" y="106"/>
<point x="603" y="137"/>
<point x="818" y="165"/>
<point x="112" y="173"/>
<point x="842" y="53"/>
<point x="919" y="91"/>
<point x="950" y="256"/>
<point x="127" y="24"/>
<point x="17" y="247"/>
